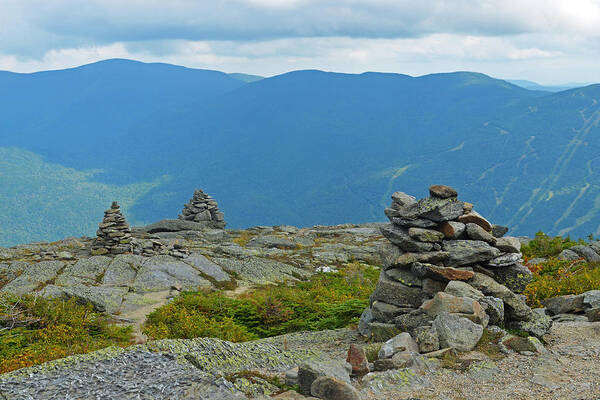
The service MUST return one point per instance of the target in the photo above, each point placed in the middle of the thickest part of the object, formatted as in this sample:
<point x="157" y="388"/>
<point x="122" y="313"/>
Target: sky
<point x="547" y="41"/>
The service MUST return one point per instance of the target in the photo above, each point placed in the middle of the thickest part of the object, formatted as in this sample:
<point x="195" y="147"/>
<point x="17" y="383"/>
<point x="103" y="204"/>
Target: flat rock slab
<point x="122" y="270"/>
<point x="463" y="252"/>
<point x="400" y="237"/>
<point x="393" y="292"/>
<point x="207" y="267"/>
<point x="444" y="274"/>
<point x="104" y="299"/>
<point x="457" y="332"/>
<point x="272" y="241"/>
<point x="175" y="225"/>
<point x="163" y="272"/>
<point x="84" y="271"/>
<point x="32" y="277"/>
<point x="261" y="270"/>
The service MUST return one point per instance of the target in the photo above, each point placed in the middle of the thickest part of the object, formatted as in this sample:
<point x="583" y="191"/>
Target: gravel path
<point x="570" y="370"/>
<point x="190" y="369"/>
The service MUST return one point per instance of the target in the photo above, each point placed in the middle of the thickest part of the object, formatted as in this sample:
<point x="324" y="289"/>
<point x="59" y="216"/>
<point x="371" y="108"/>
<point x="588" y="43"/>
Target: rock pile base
<point x="447" y="274"/>
<point x="203" y="209"/>
<point x="114" y="235"/>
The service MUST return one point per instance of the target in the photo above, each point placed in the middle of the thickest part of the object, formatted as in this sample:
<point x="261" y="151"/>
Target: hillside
<point x="302" y="148"/>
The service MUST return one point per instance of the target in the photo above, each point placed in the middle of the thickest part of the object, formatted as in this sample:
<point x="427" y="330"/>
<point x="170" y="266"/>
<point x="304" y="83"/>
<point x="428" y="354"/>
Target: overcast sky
<point x="549" y="41"/>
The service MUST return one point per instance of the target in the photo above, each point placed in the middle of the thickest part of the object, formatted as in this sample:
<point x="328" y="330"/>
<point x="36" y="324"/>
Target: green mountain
<point x="302" y="148"/>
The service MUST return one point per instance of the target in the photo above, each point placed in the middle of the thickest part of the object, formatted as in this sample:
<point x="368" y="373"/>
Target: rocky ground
<point x="212" y="369"/>
<point x="130" y="286"/>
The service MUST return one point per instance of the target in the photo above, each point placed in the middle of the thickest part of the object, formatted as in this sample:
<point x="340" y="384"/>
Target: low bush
<point x="325" y="301"/>
<point x="559" y="277"/>
<point x="543" y="245"/>
<point x="34" y="330"/>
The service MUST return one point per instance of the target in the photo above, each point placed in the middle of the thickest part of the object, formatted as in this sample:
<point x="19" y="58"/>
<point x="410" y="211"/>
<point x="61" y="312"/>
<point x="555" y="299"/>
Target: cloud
<point x="271" y="36"/>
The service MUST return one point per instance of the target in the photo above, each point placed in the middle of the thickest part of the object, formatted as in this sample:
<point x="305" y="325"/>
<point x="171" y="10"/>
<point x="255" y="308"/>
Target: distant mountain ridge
<point x="548" y="88"/>
<point x="301" y="148"/>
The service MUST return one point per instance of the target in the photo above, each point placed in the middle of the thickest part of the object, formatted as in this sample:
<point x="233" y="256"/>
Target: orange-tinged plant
<point x="36" y="330"/>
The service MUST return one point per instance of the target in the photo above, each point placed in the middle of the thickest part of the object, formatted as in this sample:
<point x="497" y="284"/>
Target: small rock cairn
<point x="447" y="274"/>
<point x="204" y="209"/>
<point x="114" y="235"/>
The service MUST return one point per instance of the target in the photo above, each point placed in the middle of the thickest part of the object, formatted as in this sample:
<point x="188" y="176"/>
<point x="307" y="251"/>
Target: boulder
<point x="427" y="339"/>
<point x="499" y="231"/>
<point x="523" y="344"/>
<point x="311" y="370"/>
<point x="404" y="276"/>
<point x="412" y="320"/>
<point x="434" y="257"/>
<point x="329" y="388"/>
<point x="442" y="191"/>
<point x="425" y="235"/>
<point x="444" y="274"/>
<point x="357" y="358"/>
<point x="515" y="307"/>
<point x="593" y="314"/>
<point x="380" y="332"/>
<point x="494" y="308"/>
<point x="462" y="306"/>
<point x="516" y="277"/>
<point x="452" y="229"/>
<point x="402" y="199"/>
<point x="564" y="304"/>
<point x="537" y="325"/>
<point x="385" y="312"/>
<point x="504" y="260"/>
<point x="568" y="255"/>
<point x="463" y="289"/>
<point x="432" y="286"/>
<point x="457" y="332"/>
<point x="463" y="252"/>
<point x="444" y="302"/>
<point x="400" y="343"/>
<point x="393" y="292"/>
<point x="586" y="252"/>
<point x="399" y="237"/>
<point x="591" y="298"/>
<point x="475" y="218"/>
<point x="417" y="222"/>
<point x="366" y="318"/>
<point x="439" y="210"/>
<point x="476" y="232"/>
<point x="508" y="244"/>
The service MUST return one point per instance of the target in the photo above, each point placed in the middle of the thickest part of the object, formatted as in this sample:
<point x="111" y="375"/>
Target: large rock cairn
<point x="447" y="274"/>
<point x="204" y="209"/>
<point x="114" y="235"/>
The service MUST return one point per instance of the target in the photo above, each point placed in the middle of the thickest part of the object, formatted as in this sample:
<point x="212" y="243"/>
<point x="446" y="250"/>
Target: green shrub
<point x="34" y="330"/>
<point x="325" y="301"/>
<point x="545" y="246"/>
<point x="559" y="277"/>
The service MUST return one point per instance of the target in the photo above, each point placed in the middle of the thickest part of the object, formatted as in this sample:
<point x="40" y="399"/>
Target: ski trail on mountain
<point x="538" y="194"/>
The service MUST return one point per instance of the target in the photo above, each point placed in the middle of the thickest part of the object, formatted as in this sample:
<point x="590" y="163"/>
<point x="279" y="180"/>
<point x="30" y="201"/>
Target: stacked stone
<point x="204" y="209"/>
<point x="447" y="274"/>
<point x="114" y="235"/>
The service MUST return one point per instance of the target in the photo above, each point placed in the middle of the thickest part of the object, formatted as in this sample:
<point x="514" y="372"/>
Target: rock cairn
<point x="447" y="274"/>
<point x="114" y="235"/>
<point x="204" y="209"/>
